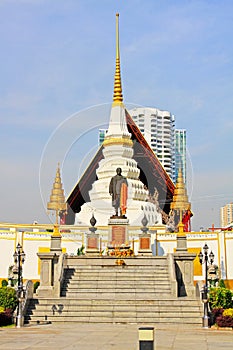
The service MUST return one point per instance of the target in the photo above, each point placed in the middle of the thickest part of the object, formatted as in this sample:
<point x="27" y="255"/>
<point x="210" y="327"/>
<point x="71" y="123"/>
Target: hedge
<point x="8" y="298"/>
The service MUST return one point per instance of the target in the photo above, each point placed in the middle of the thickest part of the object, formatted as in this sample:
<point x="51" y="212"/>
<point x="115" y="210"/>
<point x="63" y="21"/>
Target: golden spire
<point x="180" y="198"/>
<point x="57" y="199"/>
<point x="117" y="95"/>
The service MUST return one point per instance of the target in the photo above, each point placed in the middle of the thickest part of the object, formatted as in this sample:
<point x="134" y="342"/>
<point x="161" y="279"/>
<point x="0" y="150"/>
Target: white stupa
<point x="118" y="153"/>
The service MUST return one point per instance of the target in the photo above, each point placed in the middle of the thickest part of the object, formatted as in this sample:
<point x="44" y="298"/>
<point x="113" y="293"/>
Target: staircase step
<point x="120" y="280"/>
<point x="182" y="302"/>
<point x="122" y="296"/>
<point x="120" y="272"/>
<point x="117" y="288"/>
<point x="117" y="284"/>
<point x="103" y="292"/>
<point x="117" y="308"/>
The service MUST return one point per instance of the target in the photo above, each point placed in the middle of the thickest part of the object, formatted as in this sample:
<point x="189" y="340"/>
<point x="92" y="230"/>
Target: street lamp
<point x="19" y="257"/>
<point x="204" y="259"/>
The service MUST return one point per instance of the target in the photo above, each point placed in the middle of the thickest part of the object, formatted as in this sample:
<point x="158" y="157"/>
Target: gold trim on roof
<point x="117" y="94"/>
<point x="125" y="141"/>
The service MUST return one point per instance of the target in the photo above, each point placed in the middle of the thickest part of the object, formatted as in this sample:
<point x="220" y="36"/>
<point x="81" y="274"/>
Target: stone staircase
<point x="139" y="292"/>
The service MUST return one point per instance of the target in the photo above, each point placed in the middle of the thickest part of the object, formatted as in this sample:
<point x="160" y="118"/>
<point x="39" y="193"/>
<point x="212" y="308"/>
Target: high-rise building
<point x="158" y="128"/>
<point x="168" y="143"/>
<point x="180" y="152"/>
<point x="102" y="133"/>
<point x="226" y="213"/>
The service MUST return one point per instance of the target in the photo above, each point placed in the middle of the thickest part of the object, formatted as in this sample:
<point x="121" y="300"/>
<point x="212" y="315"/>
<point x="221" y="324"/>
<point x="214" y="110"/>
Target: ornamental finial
<point x="117" y="95"/>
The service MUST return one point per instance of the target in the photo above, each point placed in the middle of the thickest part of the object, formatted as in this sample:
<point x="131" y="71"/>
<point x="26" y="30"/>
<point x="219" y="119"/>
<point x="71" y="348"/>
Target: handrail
<point x="172" y="272"/>
<point x="27" y="295"/>
<point x="63" y="258"/>
<point x="59" y="275"/>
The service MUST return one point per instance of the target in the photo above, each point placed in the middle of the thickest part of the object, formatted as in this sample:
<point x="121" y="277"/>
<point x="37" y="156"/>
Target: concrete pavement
<point x="111" y="337"/>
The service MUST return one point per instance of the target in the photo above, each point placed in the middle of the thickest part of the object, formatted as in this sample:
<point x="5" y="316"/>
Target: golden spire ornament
<point x="118" y="133"/>
<point x="117" y="95"/>
<point x="57" y="201"/>
<point x="180" y="201"/>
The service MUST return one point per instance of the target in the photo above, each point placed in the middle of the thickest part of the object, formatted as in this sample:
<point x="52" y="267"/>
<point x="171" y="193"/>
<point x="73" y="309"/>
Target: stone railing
<point x="23" y="303"/>
<point x="59" y="274"/>
<point x="172" y="274"/>
<point x="28" y="294"/>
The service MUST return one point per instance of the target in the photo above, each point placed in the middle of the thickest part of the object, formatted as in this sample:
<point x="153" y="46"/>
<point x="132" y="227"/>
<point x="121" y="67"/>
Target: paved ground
<point x="111" y="337"/>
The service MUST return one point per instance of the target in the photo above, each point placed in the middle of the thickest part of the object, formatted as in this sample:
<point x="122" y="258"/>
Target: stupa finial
<point x="57" y="198"/>
<point x="180" y="199"/>
<point x="117" y="95"/>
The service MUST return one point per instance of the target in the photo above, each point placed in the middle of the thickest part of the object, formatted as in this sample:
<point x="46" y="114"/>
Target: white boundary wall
<point x="221" y="243"/>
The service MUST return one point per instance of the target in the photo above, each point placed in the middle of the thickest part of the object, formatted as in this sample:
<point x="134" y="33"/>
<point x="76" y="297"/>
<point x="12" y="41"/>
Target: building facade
<point x="39" y="240"/>
<point x="158" y="128"/>
<point x="226" y="213"/>
<point x="180" y="152"/>
<point x="102" y="133"/>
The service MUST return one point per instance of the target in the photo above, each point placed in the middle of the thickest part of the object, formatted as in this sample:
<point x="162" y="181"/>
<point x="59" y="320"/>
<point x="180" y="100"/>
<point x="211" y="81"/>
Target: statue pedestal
<point x="92" y="244"/>
<point x="118" y="232"/>
<point x="48" y="261"/>
<point x="145" y="244"/>
<point x="184" y="273"/>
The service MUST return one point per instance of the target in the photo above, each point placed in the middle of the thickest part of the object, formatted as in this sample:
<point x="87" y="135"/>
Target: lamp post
<point x="19" y="257"/>
<point x="204" y="259"/>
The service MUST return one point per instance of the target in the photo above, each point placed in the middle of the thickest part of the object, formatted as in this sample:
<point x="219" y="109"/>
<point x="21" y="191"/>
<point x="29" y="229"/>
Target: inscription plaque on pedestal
<point x="118" y="235"/>
<point x="92" y="243"/>
<point x="118" y="232"/>
<point x="145" y="243"/>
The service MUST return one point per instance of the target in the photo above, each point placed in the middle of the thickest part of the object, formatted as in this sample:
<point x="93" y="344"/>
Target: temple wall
<point x="221" y="243"/>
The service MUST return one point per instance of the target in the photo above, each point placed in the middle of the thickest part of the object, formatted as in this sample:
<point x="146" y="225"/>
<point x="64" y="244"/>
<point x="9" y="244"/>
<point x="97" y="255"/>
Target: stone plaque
<point x="92" y="243"/>
<point x="145" y="243"/>
<point x="118" y="235"/>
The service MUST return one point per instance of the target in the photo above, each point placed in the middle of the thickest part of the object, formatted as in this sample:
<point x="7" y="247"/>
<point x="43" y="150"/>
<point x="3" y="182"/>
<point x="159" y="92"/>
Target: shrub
<point x="4" y="283"/>
<point x="220" y="298"/>
<point x="221" y="284"/>
<point x="8" y="298"/>
<point x="6" y="317"/>
<point x="80" y="250"/>
<point x="224" y="321"/>
<point x="215" y="313"/>
<point x="228" y="312"/>
<point x="36" y="285"/>
<point x="222" y="318"/>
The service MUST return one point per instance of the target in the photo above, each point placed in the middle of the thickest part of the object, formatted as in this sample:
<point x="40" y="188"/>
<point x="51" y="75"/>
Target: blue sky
<point x="57" y="68"/>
